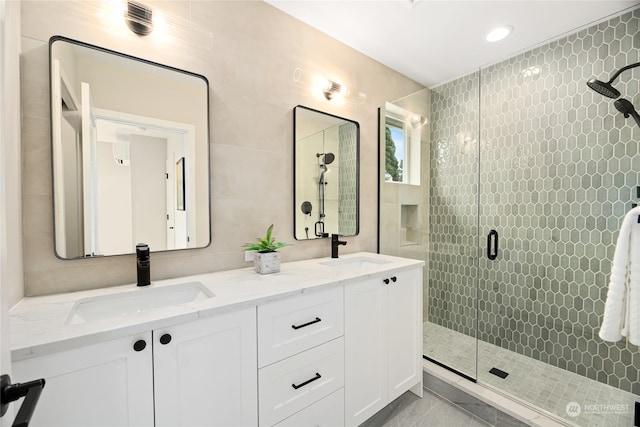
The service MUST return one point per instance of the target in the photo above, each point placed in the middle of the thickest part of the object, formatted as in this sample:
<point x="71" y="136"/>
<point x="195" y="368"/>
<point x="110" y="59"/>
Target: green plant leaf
<point x="269" y="231"/>
<point x="266" y="244"/>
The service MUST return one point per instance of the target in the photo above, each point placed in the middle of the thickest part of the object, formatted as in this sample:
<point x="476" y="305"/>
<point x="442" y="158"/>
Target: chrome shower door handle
<point x="492" y="245"/>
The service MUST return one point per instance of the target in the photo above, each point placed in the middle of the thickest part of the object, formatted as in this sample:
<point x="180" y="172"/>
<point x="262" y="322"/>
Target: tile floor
<point x="431" y="411"/>
<point x="547" y="387"/>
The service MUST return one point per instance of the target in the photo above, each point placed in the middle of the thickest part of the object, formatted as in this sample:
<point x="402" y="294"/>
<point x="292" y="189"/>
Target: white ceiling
<point x="434" y="41"/>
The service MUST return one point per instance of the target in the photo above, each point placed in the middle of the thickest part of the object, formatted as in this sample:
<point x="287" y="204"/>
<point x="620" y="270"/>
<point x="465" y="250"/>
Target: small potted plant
<point x="267" y="259"/>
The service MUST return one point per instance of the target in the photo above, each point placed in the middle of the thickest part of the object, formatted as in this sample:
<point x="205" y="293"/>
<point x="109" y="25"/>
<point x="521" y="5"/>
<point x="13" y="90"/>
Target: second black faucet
<point x="143" y="261"/>
<point x="335" y="243"/>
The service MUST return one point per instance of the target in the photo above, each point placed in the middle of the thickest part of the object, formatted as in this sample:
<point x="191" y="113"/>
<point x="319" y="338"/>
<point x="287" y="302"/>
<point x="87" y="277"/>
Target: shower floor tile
<point x="547" y="387"/>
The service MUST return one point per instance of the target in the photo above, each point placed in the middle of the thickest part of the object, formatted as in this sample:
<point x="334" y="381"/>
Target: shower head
<point x="603" y="88"/>
<point x="328" y="157"/>
<point x="627" y="109"/>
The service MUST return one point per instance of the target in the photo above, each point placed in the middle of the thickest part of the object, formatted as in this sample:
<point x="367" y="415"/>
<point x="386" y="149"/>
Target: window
<point x="395" y="150"/>
<point x="403" y="138"/>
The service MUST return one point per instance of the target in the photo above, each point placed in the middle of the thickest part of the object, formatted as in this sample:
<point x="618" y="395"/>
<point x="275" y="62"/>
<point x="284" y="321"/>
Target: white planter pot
<point x="266" y="263"/>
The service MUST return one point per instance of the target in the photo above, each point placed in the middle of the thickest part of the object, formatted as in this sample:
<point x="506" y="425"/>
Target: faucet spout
<point x="335" y="244"/>
<point x="143" y="261"/>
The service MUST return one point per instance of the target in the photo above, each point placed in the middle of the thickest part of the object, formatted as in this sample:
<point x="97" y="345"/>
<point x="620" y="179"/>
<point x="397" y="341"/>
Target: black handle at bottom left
<point x="11" y="392"/>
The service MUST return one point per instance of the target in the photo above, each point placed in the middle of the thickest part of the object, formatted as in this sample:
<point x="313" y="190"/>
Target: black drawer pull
<point x="317" y="377"/>
<point x="307" y="324"/>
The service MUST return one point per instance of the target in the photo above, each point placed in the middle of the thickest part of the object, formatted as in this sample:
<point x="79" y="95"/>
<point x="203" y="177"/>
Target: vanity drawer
<point x="293" y="325"/>
<point x="327" y="412"/>
<point x="293" y="384"/>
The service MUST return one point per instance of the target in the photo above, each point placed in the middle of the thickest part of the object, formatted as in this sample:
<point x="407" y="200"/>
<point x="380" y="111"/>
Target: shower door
<point x="559" y="169"/>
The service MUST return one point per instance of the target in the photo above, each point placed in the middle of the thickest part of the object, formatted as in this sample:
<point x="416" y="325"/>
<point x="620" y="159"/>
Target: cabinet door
<point x="105" y="384"/>
<point x="404" y="333"/>
<point x="206" y="375"/>
<point x="365" y="349"/>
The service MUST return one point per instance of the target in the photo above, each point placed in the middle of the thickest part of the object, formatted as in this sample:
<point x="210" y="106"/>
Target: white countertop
<point x="38" y="323"/>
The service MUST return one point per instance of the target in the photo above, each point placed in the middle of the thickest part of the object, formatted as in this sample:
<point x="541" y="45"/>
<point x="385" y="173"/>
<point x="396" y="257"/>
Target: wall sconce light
<point x="467" y="143"/>
<point x="139" y="18"/>
<point x="333" y="89"/>
<point x="417" y="121"/>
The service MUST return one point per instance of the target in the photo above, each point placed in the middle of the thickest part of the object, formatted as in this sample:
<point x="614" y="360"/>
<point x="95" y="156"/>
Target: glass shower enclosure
<point x="525" y="176"/>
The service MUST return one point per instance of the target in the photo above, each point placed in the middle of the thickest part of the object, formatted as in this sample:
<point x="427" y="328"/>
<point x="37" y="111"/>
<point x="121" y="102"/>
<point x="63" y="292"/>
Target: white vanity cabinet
<point x="301" y="360"/>
<point x="325" y="343"/>
<point x="383" y="328"/>
<point x="198" y="373"/>
<point x="104" y="384"/>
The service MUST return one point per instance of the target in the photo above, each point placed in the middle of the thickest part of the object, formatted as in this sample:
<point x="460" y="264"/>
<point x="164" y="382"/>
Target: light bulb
<point x="499" y="33"/>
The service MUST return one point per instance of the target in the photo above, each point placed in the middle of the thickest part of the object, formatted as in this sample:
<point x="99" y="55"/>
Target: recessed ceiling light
<point x="499" y="33"/>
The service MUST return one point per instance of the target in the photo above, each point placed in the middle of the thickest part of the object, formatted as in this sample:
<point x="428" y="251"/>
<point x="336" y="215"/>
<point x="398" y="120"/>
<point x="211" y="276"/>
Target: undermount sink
<point x="136" y="301"/>
<point x="354" y="263"/>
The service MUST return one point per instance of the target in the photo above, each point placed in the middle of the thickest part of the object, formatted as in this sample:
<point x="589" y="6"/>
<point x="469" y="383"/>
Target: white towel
<point x="622" y="309"/>
<point x="632" y="329"/>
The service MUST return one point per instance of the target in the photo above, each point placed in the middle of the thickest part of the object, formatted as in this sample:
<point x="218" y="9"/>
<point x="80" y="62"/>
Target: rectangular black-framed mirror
<point x="326" y="171"/>
<point x="120" y="125"/>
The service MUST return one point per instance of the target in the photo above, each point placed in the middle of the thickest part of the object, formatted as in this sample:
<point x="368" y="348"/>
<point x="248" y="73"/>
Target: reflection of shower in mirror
<point x="327" y="159"/>
<point x="325" y="174"/>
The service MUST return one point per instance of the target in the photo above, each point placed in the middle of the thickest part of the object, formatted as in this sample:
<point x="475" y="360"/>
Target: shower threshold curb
<point x="493" y="407"/>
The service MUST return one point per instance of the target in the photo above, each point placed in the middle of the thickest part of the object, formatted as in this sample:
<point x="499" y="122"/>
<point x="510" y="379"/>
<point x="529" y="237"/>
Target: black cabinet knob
<point x="165" y="339"/>
<point x="393" y="279"/>
<point x="386" y="281"/>
<point x="140" y="345"/>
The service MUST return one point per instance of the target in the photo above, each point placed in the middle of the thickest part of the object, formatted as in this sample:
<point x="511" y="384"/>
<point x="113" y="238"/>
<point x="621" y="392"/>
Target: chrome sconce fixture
<point x="332" y="89"/>
<point x="417" y="121"/>
<point x="139" y="18"/>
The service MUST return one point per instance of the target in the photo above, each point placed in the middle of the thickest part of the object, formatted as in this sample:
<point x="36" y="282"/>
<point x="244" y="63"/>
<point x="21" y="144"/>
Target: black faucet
<point x="335" y="243"/>
<point x="143" y="264"/>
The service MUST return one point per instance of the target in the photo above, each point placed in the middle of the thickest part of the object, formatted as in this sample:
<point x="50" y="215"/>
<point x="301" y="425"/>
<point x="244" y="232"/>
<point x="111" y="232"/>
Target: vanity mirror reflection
<point x="326" y="174"/>
<point x="130" y="151"/>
